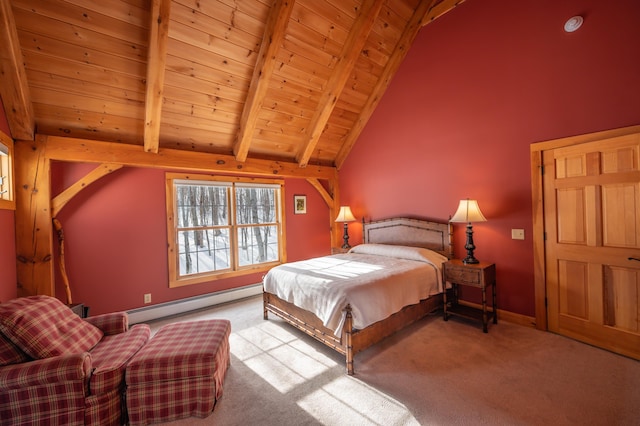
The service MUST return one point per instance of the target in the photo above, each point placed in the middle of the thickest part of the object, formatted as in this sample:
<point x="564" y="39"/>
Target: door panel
<point x="620" y="215"/>
<point x="592" y="223"/>
<point x="571" y="216"/>
<point x="573" y="289"/>
<point x="621" y="290"/>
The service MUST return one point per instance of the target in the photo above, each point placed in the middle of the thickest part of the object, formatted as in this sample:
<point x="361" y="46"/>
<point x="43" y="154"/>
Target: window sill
<point x="198" y="279"/>
<point x="7" y="205"/>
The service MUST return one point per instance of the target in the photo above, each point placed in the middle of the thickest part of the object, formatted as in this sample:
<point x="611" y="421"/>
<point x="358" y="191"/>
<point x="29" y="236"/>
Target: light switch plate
<point x="517" y="234"/>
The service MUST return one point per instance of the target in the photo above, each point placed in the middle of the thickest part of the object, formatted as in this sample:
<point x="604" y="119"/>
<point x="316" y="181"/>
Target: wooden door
<point x="592" y="231"/>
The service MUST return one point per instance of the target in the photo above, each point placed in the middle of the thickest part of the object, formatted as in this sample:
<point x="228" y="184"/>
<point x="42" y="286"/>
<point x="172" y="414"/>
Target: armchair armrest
<point x="111" y="323"/>
<point x="64" y="368"/>
<point x="45" y="391"/>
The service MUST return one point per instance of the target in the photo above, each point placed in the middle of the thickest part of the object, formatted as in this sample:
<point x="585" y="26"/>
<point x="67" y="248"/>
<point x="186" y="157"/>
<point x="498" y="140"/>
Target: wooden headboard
<point x="436" y="236"/>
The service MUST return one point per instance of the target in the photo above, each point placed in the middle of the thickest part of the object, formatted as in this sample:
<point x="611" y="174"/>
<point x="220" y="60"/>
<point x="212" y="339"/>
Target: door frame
<point x="537" y="151"/>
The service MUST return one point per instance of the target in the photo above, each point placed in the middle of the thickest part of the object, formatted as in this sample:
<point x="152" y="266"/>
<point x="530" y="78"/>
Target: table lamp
<point x="468" y="212"/>
<point x="345" y="215"/>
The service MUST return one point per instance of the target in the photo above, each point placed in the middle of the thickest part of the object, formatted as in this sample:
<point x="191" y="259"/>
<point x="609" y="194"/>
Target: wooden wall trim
<point x="539" y="270"/>
<point x="512" y="317"/>
<point x="8" y="199"/>
<point x="587" y="137"/>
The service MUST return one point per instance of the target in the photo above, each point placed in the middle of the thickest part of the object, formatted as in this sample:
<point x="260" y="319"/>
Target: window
<point x="6" y="172"/>
<point x="222" y="227"/>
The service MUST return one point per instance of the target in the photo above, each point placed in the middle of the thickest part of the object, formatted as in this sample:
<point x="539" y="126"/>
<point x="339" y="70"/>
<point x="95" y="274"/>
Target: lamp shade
<point x="345" y="215"/>
<point x="468" y="211"/>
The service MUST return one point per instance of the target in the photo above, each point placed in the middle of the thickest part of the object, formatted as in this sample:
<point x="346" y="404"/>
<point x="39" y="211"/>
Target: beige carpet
<point x="432" y="373"/>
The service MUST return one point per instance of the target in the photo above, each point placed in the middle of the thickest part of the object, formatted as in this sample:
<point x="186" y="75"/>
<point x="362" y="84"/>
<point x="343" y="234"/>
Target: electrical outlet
<point x="147" y="298"/>
<point x="517" y="234"/>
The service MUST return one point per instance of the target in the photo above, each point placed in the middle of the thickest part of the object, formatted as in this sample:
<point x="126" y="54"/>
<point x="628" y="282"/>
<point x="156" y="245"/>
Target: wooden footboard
<point x="301" y="319"/>
<point x="352" y="341"/>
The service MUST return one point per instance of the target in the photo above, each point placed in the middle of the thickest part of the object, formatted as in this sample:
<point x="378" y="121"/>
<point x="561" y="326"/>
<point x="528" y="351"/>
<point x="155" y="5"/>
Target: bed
<point x="348" y="324"/>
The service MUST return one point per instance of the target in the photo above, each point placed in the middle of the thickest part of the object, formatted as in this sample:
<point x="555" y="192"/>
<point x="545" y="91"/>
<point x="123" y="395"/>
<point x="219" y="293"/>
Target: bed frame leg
<point x="265" y="311"/>
<point x="348" y="327"/>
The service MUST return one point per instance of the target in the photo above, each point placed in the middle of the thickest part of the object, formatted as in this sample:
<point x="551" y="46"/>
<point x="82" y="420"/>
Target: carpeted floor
<point x="431" y="373"/>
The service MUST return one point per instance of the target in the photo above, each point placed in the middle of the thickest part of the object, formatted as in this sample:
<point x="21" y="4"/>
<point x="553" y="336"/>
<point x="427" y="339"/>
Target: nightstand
<point x="337" y="250"/>
<point x="80" y="310"/>
<point x="480" y="275"/>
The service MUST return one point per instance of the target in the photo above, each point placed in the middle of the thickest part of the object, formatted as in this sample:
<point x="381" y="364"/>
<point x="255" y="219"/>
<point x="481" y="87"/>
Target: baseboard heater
<point x="176" y="307"/>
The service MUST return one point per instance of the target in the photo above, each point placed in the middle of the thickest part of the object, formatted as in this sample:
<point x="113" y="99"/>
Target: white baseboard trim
<point x="161" y="310"/>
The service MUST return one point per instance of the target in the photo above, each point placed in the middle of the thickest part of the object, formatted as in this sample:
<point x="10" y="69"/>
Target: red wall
<point x="8" y="279"/>
<point x="479" y="86"/>
<point x="116" y="238"/>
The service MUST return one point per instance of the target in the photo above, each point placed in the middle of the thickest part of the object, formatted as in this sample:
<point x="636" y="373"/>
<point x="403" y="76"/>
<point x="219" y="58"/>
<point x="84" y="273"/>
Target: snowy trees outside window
<point x="221" y="226"/>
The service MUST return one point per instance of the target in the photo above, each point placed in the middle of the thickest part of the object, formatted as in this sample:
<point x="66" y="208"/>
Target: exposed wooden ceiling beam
<point x="440" y="9"/>
<point x="347" y="60"/>
<point x="84" y="150"/>
<point x="409" y="34"/>
<point x="271" y="41"/>
<point x="156" y="64"/>
<point x="14" y="89"/>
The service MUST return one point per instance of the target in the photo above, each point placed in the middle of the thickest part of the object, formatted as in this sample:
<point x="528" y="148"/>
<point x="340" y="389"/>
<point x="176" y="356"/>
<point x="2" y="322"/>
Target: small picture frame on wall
<point x="300" y="204"/>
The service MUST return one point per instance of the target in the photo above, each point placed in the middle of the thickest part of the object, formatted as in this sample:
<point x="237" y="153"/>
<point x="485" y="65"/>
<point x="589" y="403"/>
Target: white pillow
<point x="401" y="252"/>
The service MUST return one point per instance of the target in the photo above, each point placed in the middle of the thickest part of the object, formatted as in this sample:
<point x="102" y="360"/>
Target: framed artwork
<point x="300" y="204"/>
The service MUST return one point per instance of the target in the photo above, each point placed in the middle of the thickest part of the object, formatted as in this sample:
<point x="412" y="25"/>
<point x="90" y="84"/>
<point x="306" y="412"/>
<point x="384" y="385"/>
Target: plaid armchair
<point x="59" y="369"/>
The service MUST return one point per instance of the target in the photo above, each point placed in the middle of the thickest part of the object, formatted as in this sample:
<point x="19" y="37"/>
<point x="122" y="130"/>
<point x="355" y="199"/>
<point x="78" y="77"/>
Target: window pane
<point x="203" y="251"/>
<point x="5" y="178"/>
<point x="201" y="205"/>
<point x="257" y="244"/>
<point x="255" y="205"/>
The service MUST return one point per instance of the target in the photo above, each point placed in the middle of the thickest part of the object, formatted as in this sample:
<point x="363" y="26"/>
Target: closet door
<point x="592" y="247"/>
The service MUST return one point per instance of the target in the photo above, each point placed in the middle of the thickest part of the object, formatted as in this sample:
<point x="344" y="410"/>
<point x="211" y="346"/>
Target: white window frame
<point x="7" y="200"/>
<point x="234" y="269"/>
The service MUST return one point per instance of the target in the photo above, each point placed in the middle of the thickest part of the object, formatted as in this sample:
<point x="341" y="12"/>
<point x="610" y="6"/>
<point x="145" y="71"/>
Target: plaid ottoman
<point x="179" y="372"/>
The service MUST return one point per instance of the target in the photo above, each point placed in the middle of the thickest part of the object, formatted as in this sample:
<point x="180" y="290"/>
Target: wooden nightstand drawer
<point x="466" y="276"/>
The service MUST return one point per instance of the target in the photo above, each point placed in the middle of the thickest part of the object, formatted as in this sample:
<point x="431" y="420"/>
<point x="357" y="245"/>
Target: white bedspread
<point x="376" y="280"/>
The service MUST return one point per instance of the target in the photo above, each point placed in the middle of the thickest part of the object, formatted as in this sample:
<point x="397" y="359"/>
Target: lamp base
<point x="345" y="237"/>
<point x="470" y="247"/>
<point x="470" y="260"/>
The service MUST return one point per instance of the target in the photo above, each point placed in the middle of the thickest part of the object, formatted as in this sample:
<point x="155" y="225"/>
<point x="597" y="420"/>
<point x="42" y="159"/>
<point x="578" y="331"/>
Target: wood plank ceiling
<point x="288" y="80"/>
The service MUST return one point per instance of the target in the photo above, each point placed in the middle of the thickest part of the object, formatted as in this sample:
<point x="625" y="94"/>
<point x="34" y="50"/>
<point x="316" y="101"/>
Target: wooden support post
<point x="34" y="230"/>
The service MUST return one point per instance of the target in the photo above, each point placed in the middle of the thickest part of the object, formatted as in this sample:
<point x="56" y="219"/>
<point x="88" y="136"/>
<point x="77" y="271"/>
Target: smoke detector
<point x="573" y="24"/>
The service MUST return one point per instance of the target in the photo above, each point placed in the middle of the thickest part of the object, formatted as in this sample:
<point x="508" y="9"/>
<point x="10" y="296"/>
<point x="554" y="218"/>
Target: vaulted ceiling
<point x="288" y="80"/>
